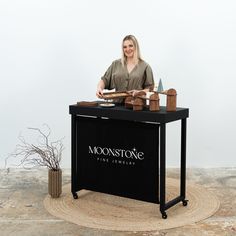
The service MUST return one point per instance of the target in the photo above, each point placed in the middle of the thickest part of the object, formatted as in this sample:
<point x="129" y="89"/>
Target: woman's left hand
<point x="134" y="92"/>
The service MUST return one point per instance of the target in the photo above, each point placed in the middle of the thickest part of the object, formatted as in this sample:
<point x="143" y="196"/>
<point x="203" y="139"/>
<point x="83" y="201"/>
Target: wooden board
<point x="87" y="104"/>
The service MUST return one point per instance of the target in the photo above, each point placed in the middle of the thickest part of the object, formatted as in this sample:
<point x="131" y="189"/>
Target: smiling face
<point x="128" y="48"/>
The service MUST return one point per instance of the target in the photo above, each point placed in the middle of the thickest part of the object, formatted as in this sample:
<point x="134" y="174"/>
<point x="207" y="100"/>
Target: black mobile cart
<point x="123" y="152"/>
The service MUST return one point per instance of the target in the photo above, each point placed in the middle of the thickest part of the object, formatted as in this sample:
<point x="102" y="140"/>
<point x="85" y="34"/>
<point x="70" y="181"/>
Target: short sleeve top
<point x="118" y="77"/>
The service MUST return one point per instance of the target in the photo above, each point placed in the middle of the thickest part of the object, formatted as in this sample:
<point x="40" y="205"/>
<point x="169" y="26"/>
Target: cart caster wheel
<point x="164" y="215"/>
<point x="185" y="202"/>
<point x="75" y="195"/>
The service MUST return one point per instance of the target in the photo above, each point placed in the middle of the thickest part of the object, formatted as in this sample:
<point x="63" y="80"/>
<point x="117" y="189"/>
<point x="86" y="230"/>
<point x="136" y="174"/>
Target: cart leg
<point x="183" y="161"/>
<point x="163" y="170"/>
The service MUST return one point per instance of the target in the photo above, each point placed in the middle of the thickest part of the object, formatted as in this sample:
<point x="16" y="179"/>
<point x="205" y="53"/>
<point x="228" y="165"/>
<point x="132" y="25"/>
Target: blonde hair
<point x="137" y="54"/>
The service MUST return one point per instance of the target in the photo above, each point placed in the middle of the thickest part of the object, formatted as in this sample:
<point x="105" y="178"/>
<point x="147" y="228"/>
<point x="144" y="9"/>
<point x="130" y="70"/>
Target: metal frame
<point x="163" y="204"/>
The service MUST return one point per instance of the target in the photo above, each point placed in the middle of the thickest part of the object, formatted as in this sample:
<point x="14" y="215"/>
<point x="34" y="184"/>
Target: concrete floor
<point x="22" y="211"/>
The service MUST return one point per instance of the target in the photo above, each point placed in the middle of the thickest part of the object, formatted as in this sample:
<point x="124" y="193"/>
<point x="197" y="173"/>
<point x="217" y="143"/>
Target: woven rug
<point x="108" y="212"/>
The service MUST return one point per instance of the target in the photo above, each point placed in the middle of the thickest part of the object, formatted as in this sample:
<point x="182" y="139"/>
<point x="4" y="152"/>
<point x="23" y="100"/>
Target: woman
<point x="130" y="73"/>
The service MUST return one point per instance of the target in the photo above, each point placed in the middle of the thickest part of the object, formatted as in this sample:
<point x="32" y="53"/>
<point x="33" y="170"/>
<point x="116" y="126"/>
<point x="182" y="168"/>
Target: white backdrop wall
<point x="53" y="52"/>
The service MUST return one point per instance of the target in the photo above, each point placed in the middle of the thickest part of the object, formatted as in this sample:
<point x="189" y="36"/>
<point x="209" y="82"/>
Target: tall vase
<point x="54" y="183"/>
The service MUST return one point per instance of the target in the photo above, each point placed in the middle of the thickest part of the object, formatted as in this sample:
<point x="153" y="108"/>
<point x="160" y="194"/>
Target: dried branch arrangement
<point x="44" y="153"/>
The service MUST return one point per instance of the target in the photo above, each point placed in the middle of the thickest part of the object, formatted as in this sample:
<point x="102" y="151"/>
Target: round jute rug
<point x="104" y="211"/>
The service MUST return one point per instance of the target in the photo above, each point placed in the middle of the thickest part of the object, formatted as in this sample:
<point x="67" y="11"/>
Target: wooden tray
<point x="113" y="95"/>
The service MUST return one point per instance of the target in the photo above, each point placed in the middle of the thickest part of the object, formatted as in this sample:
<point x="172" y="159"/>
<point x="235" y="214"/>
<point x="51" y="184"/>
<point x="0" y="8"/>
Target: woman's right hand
<point x="99" y="92"/>
<point x="100" y="88"/>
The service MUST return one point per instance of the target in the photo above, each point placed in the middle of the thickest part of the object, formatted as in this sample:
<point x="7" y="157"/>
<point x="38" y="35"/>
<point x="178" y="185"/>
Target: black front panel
<point x="118" y="157"/>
